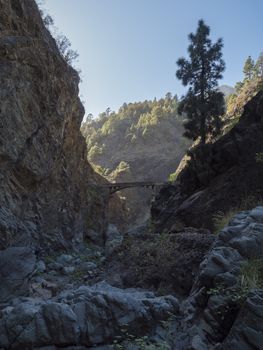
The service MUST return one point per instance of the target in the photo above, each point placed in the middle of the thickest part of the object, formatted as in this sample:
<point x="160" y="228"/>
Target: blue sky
<point x="128" y="48"/>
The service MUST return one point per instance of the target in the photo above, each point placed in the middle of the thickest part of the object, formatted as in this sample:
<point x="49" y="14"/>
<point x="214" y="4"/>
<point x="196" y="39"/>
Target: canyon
<point x="69" y="277"/>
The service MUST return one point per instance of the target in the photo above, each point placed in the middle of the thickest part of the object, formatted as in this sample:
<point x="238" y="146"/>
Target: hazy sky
<point x="128" y="48"/>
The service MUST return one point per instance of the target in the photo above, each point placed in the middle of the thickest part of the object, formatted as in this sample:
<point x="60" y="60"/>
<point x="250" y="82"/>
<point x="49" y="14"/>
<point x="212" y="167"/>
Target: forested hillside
<point x="251" y="84"/>
<point x="142" y="141"/>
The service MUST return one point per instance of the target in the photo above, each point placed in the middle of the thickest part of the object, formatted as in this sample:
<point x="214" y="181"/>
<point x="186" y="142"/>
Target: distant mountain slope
<point x="227" y="90"/>
<point x="142" y="141"/>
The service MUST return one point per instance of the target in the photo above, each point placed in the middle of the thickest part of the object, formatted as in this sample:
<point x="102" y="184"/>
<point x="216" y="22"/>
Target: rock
<point x="257" y="214"/>
<point x="35" y="323"/>
<point x="247" y="330"/>
<point x="113" y="239"/>
<point x="17" y="265"/>
<point x="41" y="266"/>
<point x="38" y="291"/>
<point x="87" y="266"/>
<point x="55" y="266"/>
<point x="223" y="307"/>
<point x="67" y="270"/>
<point x="112" y="245"/>
<point x="84" y="317"/>
<point x="138" y="230"/>
<point x="47" y="193"/>
<point x="94" y="237"/>
<point x="112" y="232"/>
<point x="64" y="259"/>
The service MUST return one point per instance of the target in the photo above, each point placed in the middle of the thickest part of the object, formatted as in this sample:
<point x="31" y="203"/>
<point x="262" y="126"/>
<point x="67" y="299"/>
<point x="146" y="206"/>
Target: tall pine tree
<point x="203" y="104"/>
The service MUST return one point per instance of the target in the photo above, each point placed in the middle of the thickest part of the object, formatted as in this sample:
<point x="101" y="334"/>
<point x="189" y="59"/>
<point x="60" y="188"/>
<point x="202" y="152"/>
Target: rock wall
<point x="223" y="176"/>
<point x="44" y="175"/>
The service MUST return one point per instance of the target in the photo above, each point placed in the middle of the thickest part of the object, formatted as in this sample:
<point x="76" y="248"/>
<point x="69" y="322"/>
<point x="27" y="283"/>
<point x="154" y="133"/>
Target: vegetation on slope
<point x="132" y="130"/>
<point x="245" y="90"/>
<point x="142" y="141"/>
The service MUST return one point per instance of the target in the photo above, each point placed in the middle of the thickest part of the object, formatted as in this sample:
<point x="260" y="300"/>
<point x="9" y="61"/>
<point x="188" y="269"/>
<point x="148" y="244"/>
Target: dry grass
<point x="252" y="274"/>
<point x="222" y="219"/>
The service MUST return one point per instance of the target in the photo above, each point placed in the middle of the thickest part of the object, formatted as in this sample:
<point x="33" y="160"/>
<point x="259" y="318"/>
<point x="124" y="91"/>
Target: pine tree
<point x="249" y="68"/>
<point x="203" y="103"/>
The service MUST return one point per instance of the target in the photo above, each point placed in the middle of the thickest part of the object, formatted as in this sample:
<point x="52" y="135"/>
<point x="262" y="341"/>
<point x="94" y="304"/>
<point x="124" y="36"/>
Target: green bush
<point x="173" y="176"/>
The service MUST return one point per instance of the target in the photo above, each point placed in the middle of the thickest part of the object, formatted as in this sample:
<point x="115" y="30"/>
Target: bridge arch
<point x="118" y="186"/>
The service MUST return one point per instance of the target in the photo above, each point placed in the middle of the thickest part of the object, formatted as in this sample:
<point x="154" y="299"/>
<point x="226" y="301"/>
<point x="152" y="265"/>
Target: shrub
<point x="252" y="274"/>
<point x="64" y="46"/>
<point x="222" y="219"/>
<point x="63" y="43"/>
<point x="173" y="176"/>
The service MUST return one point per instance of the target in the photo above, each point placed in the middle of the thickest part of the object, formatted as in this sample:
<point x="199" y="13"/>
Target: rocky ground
<point x="80" y="299"/>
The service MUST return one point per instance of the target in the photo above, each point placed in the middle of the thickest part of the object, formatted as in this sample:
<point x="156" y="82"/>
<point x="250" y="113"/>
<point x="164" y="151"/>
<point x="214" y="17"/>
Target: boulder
<point x="87" y="316"/>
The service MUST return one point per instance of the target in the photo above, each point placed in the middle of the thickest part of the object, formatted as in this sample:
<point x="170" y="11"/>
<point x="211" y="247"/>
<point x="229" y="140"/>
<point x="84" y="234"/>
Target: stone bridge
<point x="118" y="186"/>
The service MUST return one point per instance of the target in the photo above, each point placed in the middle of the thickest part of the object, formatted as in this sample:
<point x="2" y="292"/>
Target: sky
<point x="128" y="48"/>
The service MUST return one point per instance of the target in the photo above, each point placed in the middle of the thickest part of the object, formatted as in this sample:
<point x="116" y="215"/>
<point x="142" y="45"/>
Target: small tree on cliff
<point x="203" y="104"/>
<point x="249" y="68"/>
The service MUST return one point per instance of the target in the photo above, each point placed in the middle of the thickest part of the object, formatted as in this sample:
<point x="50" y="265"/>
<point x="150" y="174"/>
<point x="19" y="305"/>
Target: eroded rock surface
<point x="44" y="175"/>
<point x="86" y="316"/>
<point x="223" y="310"/>
<point x="225" y="306"/>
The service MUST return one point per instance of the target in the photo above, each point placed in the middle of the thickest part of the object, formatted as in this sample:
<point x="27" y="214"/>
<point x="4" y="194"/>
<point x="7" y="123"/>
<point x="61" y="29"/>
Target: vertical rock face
<point x="44" y="175"/>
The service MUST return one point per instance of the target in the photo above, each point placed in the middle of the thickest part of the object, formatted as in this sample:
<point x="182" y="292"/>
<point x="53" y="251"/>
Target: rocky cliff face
<point x="44" y="174"/>
<point x="222" y="180"/>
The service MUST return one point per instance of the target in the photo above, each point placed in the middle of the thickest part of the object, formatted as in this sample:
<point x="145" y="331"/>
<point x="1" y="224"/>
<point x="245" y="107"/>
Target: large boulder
<point x="17" y="265"/>
<point x="86" y="316"/>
